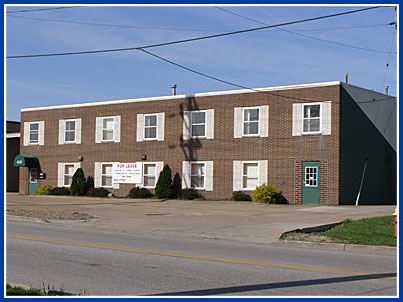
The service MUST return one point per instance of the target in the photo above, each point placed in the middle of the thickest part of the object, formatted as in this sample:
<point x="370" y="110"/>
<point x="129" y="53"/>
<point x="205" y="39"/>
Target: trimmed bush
<point x="241" y="196"/>
<point x="140" y="193"/>
<point x="97" y="192"/>
<point x="163" y="189"/>
<point x="78" y="185"/>
<point x="268" y="194"/>
<point x="90" y="182"/>
<point x="59" y="191"/>
<point x="176" y="186"/>
<point x="43" y="190"/>
<point x="190" y="194"/>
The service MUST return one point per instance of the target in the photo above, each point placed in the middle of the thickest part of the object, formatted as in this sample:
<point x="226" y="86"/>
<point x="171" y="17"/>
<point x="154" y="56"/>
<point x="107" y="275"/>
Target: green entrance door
<point x="32" y="181"/>
<point x="311" y="182"/>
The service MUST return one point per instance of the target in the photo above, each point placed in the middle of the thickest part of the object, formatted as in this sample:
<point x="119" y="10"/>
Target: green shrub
<point x="140" y="193"/>
<point x="97" y="192"/>
<point x="164" y="189"/>
<point x="190" y="194"/>
<point x="90" y="182"/>
<point x="79" y="186"/>
<point x="176" y="186"/>
<point x="268" y="194"/>
<point x="43" y="190"/>
<point x="59" y="191"/>
<point x="241" y="196"/>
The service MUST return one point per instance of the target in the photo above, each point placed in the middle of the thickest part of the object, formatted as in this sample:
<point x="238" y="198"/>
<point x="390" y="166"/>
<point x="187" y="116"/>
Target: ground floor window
<point x="250" y="175"/>
<point x="68" y="174"/>
<point x="197" y="172"/>
<point x="106" y="175"/>
<point x="149" y="175"/>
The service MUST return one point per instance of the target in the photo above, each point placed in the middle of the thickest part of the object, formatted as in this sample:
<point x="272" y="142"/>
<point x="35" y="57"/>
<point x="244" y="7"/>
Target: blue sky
<point x="257" y="59"/>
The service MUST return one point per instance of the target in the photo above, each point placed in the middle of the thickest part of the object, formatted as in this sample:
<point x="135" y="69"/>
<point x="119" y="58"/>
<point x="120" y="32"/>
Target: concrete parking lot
<point x="226" y="220"/>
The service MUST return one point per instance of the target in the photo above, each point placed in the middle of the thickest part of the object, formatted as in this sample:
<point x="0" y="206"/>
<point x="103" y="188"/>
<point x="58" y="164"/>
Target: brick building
<point x="312" y="142"/>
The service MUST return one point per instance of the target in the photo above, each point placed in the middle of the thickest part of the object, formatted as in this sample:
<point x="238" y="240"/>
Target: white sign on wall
<point x="127" y="173"/>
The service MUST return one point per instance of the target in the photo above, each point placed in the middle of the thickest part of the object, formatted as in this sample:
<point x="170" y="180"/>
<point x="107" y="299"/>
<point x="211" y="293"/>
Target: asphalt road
<point x="107" y="263"/>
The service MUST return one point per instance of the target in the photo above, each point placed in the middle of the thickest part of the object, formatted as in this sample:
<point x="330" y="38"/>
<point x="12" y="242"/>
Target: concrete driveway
<point x="226" y="220"/>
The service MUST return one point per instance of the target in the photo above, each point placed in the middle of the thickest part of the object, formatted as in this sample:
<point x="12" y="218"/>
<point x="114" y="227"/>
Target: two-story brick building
<point x="316" y="143"/>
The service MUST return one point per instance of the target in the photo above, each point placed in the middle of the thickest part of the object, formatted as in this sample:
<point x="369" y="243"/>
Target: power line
<point x="194" y="39"/>
<point x="387" y="62"/>
<point x="303" y="35"/>
<point x="41" y="9"/>
<point x="114" y="25"/>
<point x="241" y="86"/>
<point x="180" y="29"/>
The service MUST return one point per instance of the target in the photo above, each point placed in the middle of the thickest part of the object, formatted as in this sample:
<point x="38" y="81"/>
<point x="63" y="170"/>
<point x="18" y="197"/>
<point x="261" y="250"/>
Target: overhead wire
<point x="41" y="9"/>
<point x="304" y="35"/>
<point x="194" y="39"/>
<point x="179" y="29"/>
<point x="242" y="86"/>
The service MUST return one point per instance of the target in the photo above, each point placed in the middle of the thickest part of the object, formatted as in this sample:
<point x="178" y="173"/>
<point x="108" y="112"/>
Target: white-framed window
<point x="68" y="174"/>
<point x="197" y="175"/>
<point x="311" y="120"/>
<point x="107" y="129"/>
<point x="70" y="131"/>
<point x="250" y="175"/>
<point x="34" y="133"/>
<point x="250" y="121"/>
<point x="150" y="176"/>
<point x="311" y="176"/>
<point x="108" y="126"/>
<point x="150" y="126"/>
<point x="198" y="124"/>
<point x="106" y="175"/>
<point x="247" y="175"/>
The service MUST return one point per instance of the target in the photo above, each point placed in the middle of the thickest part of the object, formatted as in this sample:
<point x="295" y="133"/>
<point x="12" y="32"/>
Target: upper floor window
<point x="34" y="133"/>
<point x="150" y="126"/>
<point x="311" y="118"/>
<point x="198" y="124"/>
<point x="250" y="121"/>
<point x="107" y="129"/>
<point x="70" y="131"/>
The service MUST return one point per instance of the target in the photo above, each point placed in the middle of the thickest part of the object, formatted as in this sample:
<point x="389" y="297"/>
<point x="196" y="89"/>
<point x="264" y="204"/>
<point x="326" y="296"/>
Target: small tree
<point x="164" y="189"/>
<point x="78" y="183"/>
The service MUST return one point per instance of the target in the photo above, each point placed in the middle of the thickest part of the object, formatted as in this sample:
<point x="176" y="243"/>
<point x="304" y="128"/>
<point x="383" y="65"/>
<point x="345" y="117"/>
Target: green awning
<point x="26" y="161"/>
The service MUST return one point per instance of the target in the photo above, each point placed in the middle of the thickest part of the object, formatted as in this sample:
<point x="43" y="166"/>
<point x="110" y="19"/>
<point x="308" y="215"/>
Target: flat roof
<point x="172" y="97"/>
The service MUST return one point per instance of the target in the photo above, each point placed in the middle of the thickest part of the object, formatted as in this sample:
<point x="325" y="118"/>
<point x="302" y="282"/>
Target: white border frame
<point x="75" y="132"/>
<point x="320" y="118"/>
<point x="204" y="175"/>
<point x="191" y="123"/>
<point x="144" y="127"/>
<point x="29" y="132"/>
<point x="155" y="175"/>
<point x="258" y="121"/>
<point x="102" y="129"/>
<point x="100" y="174"/>
<point x="242" y="173"/>
<point x="64" y="174"/>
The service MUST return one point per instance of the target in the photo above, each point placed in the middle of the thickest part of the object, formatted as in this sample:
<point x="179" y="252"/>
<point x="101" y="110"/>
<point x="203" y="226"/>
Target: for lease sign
<point x="127" y="173"/>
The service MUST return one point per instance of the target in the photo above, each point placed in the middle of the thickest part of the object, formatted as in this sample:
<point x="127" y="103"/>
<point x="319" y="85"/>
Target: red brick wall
<point x="283" y="151"/>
